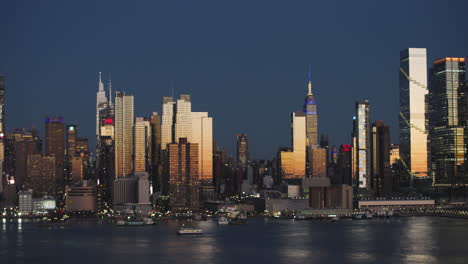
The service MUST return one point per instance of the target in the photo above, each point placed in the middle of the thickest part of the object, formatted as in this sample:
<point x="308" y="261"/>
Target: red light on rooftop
<point x="108" y="121"/>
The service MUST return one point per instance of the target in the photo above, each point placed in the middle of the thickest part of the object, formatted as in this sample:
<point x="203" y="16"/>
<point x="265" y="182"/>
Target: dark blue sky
<point x="243" y="61"/>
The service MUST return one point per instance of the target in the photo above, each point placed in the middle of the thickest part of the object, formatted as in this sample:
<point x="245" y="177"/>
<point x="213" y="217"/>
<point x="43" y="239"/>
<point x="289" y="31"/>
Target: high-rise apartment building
<point x="184" y="184"/>
<point x="124" y="119"/>
<point x="412" y="118"/>
<point x="55" y="146"/>
<point x="362" y="145"/>
<point x="447" y="107"/>
<point x="242" y="150"/>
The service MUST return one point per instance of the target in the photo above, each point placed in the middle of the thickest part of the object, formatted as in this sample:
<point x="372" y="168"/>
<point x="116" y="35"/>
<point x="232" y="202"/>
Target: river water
<point x="395" y="240"/>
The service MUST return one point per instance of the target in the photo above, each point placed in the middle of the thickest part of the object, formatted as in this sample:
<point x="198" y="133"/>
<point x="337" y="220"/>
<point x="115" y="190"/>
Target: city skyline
<point x="149" y="78"/>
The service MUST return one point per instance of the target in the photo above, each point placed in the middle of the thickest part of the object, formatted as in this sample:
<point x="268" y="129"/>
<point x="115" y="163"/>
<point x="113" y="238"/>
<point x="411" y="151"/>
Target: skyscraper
<point x="242" y="150"/>
<point x="123" y="134"/>
<point x="412" y="119"/>
<point x="155" y="153"/>
<point x="293" y="163"/>
<point x="105" y="157"/>
<point x="41" y="175"/>
<point x="310" y="110"/>
<point x="142" y="142"/>
<point x="167" y="122"/>
<point x="184" y="189"/>
<point x="362" y="145"/>
<point x="101" y="103"/>
<point x="2" y="130"/>
<point x="381" y="180"/>
<point x="55" y="146"/>
<point x="202" y="134"/>
<point x="447" y="133"/>
<point x="183" y="118"/>
<point x="24" y="145"/>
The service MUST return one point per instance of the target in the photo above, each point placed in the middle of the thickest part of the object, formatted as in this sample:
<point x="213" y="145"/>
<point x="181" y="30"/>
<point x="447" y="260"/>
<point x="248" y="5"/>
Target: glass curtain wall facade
<point x="412" y="118"/>
<point x="447" y="133"/>
<point x="183" y="118"/>
<point x="124" y="118"/>
<point x="202" y="135"/>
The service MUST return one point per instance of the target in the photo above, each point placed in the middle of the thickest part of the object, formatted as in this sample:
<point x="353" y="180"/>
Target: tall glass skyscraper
<point x="447" y="133"/>
<point x="293" y="163"/>
<point x="141" y="145"/>
<point x="202" y="134"/>
<point x="412" y="119"/>
<point x="183" y="118"/>
<point x="124" y="118"/>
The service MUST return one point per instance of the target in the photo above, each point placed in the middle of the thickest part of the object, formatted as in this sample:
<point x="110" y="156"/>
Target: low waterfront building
<point x="392" y="203"/>
<point x="25" y="201"/>
<point x="81" y="198"/>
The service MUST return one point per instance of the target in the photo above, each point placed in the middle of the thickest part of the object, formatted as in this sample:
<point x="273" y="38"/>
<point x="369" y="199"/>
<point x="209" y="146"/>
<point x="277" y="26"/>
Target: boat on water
<point x="223" y="220"/>
<point x="357" y="216"/>
<point x="189" y="231"/>
<point x="368" y="215"/>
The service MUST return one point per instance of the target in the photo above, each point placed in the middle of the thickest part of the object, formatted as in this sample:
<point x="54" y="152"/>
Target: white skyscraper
<point x="413" y="91"/>
<point x="101" y="103"/>
<point x="362" y="144"/>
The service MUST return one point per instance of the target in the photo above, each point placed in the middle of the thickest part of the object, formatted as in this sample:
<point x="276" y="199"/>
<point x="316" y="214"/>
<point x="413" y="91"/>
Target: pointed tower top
<point x="309" y="86"/>
<point x="100" y="84"/>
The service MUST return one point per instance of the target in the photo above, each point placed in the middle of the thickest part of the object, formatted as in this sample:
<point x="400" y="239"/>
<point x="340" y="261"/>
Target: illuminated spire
<point x="110" y="90"/>
<point x="100" y="84"/>
<point x="309" y="86"/>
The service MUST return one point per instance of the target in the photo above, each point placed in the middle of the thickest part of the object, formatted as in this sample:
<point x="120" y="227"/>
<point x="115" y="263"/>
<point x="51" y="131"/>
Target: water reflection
<point x="418" y="241"/>
<point x="399" y="240"/>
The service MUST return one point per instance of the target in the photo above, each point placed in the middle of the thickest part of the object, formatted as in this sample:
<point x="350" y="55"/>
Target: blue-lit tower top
<point x="310" y="109"/>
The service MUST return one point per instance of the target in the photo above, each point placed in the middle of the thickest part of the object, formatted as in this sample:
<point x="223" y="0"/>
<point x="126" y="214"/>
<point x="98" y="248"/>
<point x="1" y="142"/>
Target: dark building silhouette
<point x="55" y="147"/>
<point x="242" y="151"/>
<point x="381" y="180"/>
<point x="184" y="184"/>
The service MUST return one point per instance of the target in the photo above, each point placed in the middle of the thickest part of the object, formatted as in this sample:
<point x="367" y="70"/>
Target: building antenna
<point x="110" y="89"/>
<point x="309" y="85"/>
